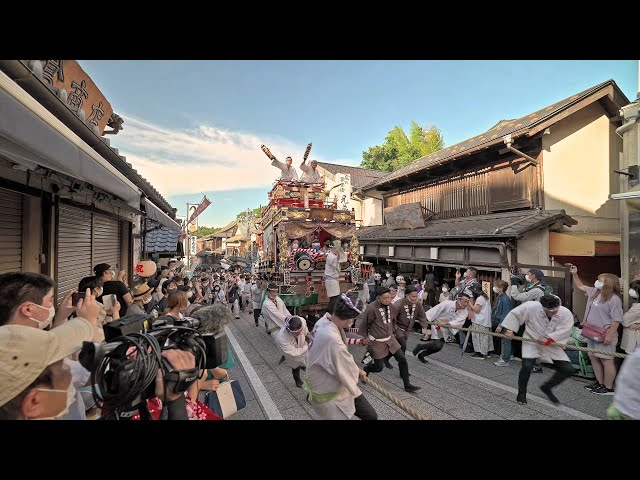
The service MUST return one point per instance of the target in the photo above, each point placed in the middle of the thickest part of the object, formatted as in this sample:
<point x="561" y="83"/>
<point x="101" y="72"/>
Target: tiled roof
<point x="497" y="225"/>
<point x="494" y="135"/>
<point x="162" y="240"/>
<point x="224" y="231"/>
<point x="359" y="176"/>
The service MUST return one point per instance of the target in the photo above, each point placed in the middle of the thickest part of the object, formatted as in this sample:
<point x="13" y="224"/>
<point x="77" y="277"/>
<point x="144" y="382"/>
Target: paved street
<point x="452" y="387"/>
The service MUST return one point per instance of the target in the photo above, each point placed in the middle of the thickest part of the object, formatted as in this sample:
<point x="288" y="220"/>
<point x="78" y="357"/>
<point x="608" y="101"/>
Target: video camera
<point x="518" y="279"/>
<point x="123" y="370"/>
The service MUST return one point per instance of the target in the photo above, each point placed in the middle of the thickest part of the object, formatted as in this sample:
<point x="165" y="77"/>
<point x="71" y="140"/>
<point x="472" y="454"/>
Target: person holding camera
<point x="331" y="380"/>
<point x="94" y="284"/>
<point x="549" y="324"/>
<point x="604" y="311"/>
<point x="114" y="285"/>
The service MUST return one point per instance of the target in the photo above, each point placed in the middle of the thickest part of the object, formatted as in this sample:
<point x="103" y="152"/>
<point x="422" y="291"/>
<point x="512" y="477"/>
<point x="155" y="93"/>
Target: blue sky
<point x="194" y="127"/>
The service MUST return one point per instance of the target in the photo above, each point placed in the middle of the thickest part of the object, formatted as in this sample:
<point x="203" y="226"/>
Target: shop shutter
<point x="74" y="248"/>
<point x="10" y="231"/>
<point x="106" y="241"/>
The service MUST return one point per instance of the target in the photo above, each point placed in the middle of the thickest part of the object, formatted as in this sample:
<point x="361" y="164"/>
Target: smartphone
<point x="77" y="296"/>
<point x="108" y="301"/>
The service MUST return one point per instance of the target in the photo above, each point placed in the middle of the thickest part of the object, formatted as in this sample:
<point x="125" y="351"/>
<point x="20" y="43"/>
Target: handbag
<point x="227" y="400"/>
<point x="590" y="331"/>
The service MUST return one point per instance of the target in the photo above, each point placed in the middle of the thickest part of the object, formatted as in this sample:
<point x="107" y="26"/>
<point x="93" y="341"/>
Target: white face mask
<point x="527" y="278"/>
<point x="598" y="284"/>
<point x="633" y="293"/>
<point x="146" y="301"/>
<point x="445" y="290"/>
<point x="496" y="290"/>
<point x="71" y="397"/>
<point x="42" y="324"/>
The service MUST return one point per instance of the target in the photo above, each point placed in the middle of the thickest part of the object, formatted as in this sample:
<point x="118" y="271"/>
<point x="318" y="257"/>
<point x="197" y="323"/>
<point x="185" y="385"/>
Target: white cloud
<point x="178" y="162"/>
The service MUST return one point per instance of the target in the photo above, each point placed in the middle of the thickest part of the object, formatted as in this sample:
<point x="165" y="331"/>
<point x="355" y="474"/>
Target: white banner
<point x="193" y="245"/>
<point x="344" y="191"/>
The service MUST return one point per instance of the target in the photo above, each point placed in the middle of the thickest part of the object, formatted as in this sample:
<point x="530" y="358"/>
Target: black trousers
<point x="364" y="410"/>
<point x="403" y="345"/>
<point x="378" y="365"/>
<point x="429" y="347"/>
<point x="256" y="314"/>
<point x="564" y="369"/>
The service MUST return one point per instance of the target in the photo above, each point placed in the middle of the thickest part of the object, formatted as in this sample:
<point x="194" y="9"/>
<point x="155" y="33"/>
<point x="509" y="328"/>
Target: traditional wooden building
<point x="529" y="191"/>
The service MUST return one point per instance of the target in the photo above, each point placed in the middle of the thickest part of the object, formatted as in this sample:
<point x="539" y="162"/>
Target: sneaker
<point x="411" y="388"/>
<point x="602" y="390"/>
<point x="501" y="363"/>
<point x="593" y="386"/>
<point x="547" y="391"/>
<point x="450" y="340"/>
<point x="536" y="369"/>
<point x="478" y="356"/>
<point x="237" y="318"/>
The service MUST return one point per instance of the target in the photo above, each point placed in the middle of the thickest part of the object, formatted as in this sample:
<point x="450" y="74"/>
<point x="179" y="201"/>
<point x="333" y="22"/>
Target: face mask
<point x="633" y="293"/>
<point x="71" y="397"/>
<point x="171" y="290"/>
<point x="527" y="278"/>
<point x="496" y="290"/>
<point x="598" y="284"/>
<point x="445" y="290"/>
<point x="42" y="324"/>
<point x="189" y="294"/>
<point x="146" y="301"/>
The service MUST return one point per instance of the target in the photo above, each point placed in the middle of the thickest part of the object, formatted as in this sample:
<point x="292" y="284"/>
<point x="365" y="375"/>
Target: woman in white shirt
<point x="480" y="315"/>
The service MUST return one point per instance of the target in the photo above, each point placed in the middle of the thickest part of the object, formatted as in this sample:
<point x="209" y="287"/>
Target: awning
<point x="236" y="238"/>
<point x="30" y="135"/>
<point x="583" y="244"/>
<point x="632" y="197"/>
<point x="154" y="213"/>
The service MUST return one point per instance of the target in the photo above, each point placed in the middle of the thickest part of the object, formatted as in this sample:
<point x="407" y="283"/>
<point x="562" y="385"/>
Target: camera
<point x="124" y="369"/>
<point x="75" y="296"/>
<point x="518" y="279"/>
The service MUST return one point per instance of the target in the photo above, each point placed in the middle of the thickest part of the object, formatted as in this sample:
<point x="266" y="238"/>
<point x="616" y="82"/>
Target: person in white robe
<point x="310" y="173"/>
<point x="548" y="323"/>
<point x="331" y="379"/>
<point x="332" y="274"/>
<point x="452" y="313"/>
<point x="292" y="341"/>
<point x="288" y="171"/>
<point x="274" y="310"/>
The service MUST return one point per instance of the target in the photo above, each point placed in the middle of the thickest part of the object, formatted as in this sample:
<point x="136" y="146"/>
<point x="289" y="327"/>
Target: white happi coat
<point x="294" y="347"/>
<point x="446" y="312"/>
<point x="331" y="368"/>
<point x="538" y="325"/>
<point x="332" y="275"/>
<point x="309" y="175"/>
<point x="287" y="173"/>
<point x="274" y="314"/>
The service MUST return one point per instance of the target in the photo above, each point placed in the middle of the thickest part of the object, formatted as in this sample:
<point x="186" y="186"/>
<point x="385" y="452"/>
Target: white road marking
<point x="267" y="403"/>
<point x="563" y="408"/>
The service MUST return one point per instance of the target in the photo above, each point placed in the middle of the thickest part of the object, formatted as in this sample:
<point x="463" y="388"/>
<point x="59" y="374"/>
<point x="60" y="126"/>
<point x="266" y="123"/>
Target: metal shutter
<point x="74" y="248"/>
<point x="106" y="241"/>
<point x="10" y="231"/>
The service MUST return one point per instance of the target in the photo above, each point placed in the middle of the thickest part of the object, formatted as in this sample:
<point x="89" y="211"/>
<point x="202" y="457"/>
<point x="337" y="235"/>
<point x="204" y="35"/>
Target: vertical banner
<point x="193" y="245"/>
<point x="344" y="191"/>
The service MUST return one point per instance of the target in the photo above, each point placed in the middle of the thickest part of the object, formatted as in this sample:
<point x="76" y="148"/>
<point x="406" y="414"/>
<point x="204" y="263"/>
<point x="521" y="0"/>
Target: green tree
<point x="206" y="231"/>
<point x="400" y="149"/>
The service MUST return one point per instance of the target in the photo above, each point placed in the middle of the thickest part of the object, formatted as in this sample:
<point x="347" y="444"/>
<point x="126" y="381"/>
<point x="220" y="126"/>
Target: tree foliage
<point x="400" y="149"/>
<point x="206" y="231"/>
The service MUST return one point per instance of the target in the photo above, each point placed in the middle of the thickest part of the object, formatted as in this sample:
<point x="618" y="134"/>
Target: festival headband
<point x="286" y="324"/>
<point x="349" y="303"/>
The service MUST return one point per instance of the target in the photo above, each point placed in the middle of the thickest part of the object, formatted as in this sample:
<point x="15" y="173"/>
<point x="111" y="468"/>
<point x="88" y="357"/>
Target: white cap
<point x="25" y="352"/>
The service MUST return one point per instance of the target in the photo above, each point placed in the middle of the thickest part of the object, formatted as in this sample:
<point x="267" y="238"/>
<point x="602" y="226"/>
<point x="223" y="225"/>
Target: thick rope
<point x="521" y="339"/>
<point x="410" y="410"/>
